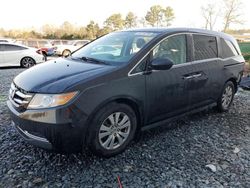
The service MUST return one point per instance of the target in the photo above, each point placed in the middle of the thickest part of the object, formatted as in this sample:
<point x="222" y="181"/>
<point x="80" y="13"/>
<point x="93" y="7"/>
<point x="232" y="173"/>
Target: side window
<point x="9" y="47"/>
<point x="174" y="48"/>
<point x="1" y="47"/>
<point x="205" y="47"/>
<point x="139" y="42"/>
<point x="141" y="67"/>
<point x="227" y="49"/>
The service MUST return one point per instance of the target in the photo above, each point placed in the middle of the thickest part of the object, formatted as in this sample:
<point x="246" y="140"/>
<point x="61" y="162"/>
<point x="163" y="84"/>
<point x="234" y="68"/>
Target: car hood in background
<point x="57" y="75"/>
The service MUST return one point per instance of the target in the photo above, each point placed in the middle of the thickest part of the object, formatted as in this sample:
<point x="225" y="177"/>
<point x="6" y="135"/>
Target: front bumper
<point x="33" y="139"/>
<point x="52" y="129"/>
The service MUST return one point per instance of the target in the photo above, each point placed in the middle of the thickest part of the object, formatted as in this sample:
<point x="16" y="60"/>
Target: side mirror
<point x="161" y="64"/>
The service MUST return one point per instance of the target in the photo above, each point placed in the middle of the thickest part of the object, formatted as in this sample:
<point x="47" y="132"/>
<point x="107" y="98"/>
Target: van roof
<point x="174" y="30"/>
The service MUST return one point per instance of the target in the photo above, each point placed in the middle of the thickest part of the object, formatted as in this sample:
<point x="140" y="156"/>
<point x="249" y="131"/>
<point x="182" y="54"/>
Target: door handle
<point x="188" y="77"/>
<point x="197" y="75"/>
<point x="192" y="76"/>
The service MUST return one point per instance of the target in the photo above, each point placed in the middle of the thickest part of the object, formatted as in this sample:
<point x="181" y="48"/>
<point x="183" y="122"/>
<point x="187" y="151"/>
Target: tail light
<point x="39" y="52"/>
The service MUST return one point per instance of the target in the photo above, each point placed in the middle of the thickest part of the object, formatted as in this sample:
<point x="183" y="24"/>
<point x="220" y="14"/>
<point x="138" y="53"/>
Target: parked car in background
<point x="44" y="46"/>
<point x="12" y="54"/>
<point x="106" y="49"/>
<point x="101" y="100"/>
<point x="6" y="40"/>
<point x="66" y="49"/>
<point x="59" y="42"/>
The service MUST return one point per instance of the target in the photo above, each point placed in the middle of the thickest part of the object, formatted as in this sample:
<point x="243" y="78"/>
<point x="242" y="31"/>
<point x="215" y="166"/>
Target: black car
<point x="101" y="99"/>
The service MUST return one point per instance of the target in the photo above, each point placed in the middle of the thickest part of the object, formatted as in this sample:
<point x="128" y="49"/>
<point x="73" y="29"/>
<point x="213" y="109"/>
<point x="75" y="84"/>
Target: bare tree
<point x="232" y="14"/>
<point x="210" y="14"/>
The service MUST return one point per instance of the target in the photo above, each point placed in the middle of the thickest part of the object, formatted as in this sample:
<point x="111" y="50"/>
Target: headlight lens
<point x="50" y="100"/>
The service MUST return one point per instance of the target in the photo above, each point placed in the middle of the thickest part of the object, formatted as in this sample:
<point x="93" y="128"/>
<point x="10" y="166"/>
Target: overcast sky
<point x="31" y="13"/>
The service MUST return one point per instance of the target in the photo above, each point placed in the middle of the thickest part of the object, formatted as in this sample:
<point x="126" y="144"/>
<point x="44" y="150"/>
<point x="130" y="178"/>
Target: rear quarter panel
<point x="232" y="68"/>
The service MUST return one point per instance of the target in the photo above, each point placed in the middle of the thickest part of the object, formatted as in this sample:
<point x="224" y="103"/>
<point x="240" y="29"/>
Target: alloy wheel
<point x="27" y="62"/>
<point x="114" y="130"/>
<point x="227" y="97"/>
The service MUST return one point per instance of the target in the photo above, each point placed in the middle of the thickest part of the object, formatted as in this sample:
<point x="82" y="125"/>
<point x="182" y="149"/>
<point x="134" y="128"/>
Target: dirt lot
<point x="208" y="149"/>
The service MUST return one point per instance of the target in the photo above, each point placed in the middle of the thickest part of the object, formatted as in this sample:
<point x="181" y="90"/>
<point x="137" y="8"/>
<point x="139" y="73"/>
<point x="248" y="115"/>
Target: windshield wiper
<point x="90" y="59"/>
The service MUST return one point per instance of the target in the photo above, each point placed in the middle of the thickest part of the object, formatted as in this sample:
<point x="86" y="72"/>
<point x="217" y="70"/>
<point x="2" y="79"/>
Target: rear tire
<point x="226" y="98"/>
<point x="112" y="129"/>
<point x="27" y="62"/>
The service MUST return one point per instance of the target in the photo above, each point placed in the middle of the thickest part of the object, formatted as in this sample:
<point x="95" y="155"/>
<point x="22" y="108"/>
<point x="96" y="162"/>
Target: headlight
<point x="50" y="100"/>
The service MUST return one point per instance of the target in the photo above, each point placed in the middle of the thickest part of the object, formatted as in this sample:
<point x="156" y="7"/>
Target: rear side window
<point x="205" y="47"/>
<point x="227" y="49"/>
<point x="8" y="47"/>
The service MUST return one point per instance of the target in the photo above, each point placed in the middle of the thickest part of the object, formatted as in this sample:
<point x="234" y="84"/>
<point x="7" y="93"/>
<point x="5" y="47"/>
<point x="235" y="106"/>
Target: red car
<point x="44" y="46"/>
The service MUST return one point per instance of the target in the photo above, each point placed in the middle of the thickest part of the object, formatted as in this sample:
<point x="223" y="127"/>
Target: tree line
<point x="229" y="10"/>
<point x="156" y="16"/>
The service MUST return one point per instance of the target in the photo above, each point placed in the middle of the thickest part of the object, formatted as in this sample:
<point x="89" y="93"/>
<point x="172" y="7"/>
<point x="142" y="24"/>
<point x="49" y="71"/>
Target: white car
<point x="6" y="40"/>
<point x="19" y="55"/>
<point x="67" y="49"/>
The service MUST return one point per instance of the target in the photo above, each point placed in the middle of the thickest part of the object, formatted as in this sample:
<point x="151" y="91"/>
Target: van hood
<point x="56" y="76"/>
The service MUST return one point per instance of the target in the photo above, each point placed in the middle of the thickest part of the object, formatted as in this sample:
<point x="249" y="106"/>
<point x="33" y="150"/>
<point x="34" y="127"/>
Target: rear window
<point x="227" y="49"/>
<point x="205" y="47"/>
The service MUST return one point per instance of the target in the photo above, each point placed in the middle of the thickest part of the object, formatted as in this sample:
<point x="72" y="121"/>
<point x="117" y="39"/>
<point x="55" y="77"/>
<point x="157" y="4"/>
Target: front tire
<point x="27" y="62"/>
<point x="226" y="98"/>
<point x="66" y="53"/>
<point x="112" y="130"/>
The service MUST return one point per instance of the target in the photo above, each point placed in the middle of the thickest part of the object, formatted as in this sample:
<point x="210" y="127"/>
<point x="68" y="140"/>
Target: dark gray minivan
<point x="124" y="82"/>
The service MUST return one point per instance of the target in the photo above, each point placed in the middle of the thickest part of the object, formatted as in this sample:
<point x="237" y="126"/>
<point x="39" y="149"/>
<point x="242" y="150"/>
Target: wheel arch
<point x="135" y="105"/>
<point x="27" y="57"/>
<point x="234" y="80"/>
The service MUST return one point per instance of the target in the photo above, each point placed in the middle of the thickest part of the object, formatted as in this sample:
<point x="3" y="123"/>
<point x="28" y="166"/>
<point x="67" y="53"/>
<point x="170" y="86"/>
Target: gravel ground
<point x="208" y="149"/>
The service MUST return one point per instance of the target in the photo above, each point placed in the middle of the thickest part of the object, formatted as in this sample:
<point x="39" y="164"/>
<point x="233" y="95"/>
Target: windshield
<point x="115" y="48"/>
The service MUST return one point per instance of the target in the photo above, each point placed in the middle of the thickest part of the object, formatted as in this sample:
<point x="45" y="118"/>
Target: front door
<point x="167" y="91"/>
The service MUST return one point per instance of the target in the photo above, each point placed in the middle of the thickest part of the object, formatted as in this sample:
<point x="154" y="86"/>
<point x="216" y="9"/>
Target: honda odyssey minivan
<point x="100" y="100"/>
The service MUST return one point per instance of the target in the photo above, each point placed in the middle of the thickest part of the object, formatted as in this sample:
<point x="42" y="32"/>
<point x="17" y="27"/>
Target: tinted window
<point x="227" y="49"/>
<point x="173" y="48"/>
<point x="205" y="47"/>
<point x="10" y="47"/>
<point x="140" y="67"/>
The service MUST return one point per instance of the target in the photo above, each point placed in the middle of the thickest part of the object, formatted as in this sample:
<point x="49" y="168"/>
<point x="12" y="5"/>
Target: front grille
<point x="19" y="97"/>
